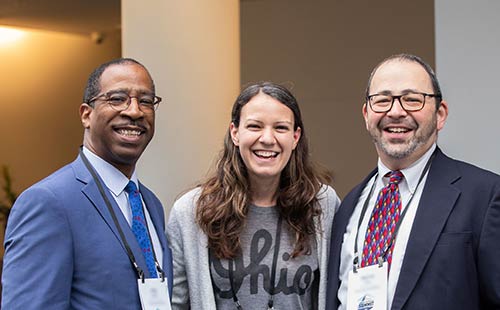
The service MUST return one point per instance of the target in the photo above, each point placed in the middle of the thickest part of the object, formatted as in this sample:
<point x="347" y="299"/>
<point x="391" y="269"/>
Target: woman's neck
<point x="264" y="193"/>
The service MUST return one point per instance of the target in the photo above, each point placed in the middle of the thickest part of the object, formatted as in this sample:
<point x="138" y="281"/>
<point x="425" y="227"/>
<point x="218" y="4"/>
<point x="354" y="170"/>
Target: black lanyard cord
<point x="270" y="302"/>
<point x="275" y="263"/>
<point x="130" y="254"/>
<point x="398" y="224"/>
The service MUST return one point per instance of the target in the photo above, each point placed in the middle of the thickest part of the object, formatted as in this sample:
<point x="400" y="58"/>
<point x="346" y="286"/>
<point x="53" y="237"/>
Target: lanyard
<point x="398" y="224"/>
<point x="270" y="302"/>
<point x="130" y="255"/>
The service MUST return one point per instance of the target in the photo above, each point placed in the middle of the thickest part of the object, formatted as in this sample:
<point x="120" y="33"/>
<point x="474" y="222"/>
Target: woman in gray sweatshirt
<point x="254" y="234"/>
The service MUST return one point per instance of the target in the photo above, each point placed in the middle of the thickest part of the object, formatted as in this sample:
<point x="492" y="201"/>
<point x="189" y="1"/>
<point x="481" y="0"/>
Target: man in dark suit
<point x="74" y="239"/>
<point x="442" y="247"/>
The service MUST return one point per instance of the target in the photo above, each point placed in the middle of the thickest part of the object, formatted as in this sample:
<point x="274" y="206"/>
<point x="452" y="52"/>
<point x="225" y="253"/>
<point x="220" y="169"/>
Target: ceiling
<point x="74" y="16"/>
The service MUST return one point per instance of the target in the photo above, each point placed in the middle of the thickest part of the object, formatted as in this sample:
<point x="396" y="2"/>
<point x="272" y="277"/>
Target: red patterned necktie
<point x="385" y="216"/>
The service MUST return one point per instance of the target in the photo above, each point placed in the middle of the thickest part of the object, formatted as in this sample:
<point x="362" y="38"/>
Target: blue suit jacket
<point x="452" y="259"/>
<point x="63" y="250"/>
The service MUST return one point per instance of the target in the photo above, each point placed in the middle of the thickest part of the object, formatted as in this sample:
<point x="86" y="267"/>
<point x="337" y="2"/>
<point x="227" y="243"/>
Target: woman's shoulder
<point x="327" y="192"/>
<point x="186" y="203"/>
<point x="328" y="200"/>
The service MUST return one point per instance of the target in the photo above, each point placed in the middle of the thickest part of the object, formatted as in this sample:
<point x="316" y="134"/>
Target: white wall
<point x="192" y="51"/>
<point x="468" y="67"/>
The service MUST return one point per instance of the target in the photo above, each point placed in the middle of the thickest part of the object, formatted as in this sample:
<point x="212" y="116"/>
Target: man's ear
<point x="364" y="110"/>
<point x="442" y="115"/>
<point x="85" y="115"/>
<point x="234" y="134"/>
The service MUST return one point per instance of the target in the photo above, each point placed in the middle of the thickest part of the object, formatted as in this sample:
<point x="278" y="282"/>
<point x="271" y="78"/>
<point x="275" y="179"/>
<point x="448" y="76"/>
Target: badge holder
<point x="153" y="292"/>
<point x="367" y="288"/>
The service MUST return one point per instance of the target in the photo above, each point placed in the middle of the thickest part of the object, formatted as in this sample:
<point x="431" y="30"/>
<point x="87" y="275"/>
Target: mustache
<point x="407" y="122"/>
<point x="132" y="123"/>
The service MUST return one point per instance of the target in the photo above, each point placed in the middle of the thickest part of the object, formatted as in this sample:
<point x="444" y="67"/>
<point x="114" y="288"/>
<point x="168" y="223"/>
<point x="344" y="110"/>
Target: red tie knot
<point x="394" y="177"/>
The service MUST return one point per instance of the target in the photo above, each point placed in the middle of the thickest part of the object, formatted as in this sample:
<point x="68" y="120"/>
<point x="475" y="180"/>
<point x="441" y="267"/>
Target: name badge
<point x="154" y="294"/>
<point x="367" y="288"/>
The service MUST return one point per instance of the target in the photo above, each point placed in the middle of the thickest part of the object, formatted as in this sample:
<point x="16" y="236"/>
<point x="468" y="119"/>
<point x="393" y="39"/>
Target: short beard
<point x="399" y="153"/>
<point x="404" y="150"/>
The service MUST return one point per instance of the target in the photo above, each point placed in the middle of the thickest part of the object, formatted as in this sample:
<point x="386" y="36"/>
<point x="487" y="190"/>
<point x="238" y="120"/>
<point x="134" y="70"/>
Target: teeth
<point x="397" y="130"/>
<point x="266" y="154"/>
<point x="127" y="132"/>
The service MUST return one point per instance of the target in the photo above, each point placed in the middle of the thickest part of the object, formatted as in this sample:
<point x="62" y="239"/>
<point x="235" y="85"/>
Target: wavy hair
<point x="223" y="203"/>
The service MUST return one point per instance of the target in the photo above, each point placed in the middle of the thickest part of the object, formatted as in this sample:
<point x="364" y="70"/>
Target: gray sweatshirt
<point x="192" y="283"/>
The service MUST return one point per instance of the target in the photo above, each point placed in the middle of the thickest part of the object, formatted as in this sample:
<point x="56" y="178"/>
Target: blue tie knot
<point x="394" y="177"/>
<point x="131" y="188"/>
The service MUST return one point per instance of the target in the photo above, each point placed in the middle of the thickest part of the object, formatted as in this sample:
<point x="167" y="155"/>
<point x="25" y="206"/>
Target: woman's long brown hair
<point x="223" y="203"/>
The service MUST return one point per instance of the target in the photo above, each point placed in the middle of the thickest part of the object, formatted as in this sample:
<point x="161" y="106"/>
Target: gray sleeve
<point x="329" y="202"/>
<point x="180" y="290"/>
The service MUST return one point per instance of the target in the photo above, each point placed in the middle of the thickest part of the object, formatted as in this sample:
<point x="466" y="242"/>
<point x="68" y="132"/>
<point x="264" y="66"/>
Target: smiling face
<point x="265" y="137"/>
<point x="119" y="137"/>
<point x="402" y="137"/>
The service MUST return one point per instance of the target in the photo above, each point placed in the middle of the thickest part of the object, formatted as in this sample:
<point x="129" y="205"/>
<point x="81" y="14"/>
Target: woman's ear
<point x="234" y="134"/>
<point x="296" y="137"/>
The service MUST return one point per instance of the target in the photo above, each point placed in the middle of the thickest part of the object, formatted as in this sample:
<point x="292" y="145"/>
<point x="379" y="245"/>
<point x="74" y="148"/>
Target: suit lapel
<point x="91" y="191"/>
<point x="153" y="207"/>
<point x="157" y="219"/>
<point x="437" y="200"/>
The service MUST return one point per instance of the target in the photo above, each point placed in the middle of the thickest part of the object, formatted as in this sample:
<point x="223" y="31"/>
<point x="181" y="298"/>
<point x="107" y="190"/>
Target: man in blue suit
<point x="443" y="249"/>
<point x="71" y="238"/>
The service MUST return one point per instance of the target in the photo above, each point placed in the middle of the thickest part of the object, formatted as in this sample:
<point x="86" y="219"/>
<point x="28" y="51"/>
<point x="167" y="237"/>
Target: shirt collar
<point x="113" y="178"/>
<point x="412" y="173"/>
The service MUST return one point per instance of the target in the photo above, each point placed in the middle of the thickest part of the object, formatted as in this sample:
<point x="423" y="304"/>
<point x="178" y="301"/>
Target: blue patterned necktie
<point x="385" y="216"/>
<point x="139" y="227"/>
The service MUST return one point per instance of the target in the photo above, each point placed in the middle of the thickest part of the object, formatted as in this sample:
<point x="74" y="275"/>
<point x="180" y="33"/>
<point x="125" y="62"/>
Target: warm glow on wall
<point x="8" y="35"/>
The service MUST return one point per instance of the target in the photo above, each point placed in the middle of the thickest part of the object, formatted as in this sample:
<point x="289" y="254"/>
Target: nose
<point x="267" y="136"/>
<point x="133" y="110"/>
<point x="397" y="110"/>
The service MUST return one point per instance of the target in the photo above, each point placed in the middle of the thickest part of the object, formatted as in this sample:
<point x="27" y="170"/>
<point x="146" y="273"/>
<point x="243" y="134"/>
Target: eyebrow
<point x="128" y="90"/>
<point x="260" y="122"/>
<point x="404" y="91"/>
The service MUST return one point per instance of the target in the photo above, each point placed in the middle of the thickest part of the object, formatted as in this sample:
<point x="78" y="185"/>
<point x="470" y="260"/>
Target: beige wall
<point x="192" y="50"/>
<point x="325" y="51"/>
<point x="42" y="79"/>
<point x="42" y="76"/>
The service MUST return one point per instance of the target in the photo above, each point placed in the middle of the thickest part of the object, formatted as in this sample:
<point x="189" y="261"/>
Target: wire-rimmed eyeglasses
<point x="120" y="101"/>
<point x="410" y="102"/>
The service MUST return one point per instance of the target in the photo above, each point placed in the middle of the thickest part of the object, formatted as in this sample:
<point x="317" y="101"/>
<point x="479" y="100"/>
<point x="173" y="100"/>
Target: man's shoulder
<point x="57" y="180"/>
<point x="468" y="170"/>
<point x="356" y="190"/>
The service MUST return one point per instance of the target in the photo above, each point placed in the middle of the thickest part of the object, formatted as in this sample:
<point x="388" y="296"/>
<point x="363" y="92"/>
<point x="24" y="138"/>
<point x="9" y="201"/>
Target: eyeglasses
<point x="410" y="102"/>
<point x="120" y="101"/>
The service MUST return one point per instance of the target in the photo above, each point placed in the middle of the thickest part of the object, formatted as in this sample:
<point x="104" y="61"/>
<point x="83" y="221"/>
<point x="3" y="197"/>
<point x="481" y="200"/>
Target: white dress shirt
<point x="407" y="188"/>
<point x="116" y="182"/>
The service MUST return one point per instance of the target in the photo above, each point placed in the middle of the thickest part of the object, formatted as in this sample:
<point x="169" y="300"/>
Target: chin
<point x="127" y="158"/>
<point x="395" y="151"/>
<point x="266" y="175"/>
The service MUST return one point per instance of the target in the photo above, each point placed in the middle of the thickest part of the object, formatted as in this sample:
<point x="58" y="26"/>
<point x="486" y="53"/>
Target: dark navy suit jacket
<point x="63" y="250"/>
<point x="452" y="259"/>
